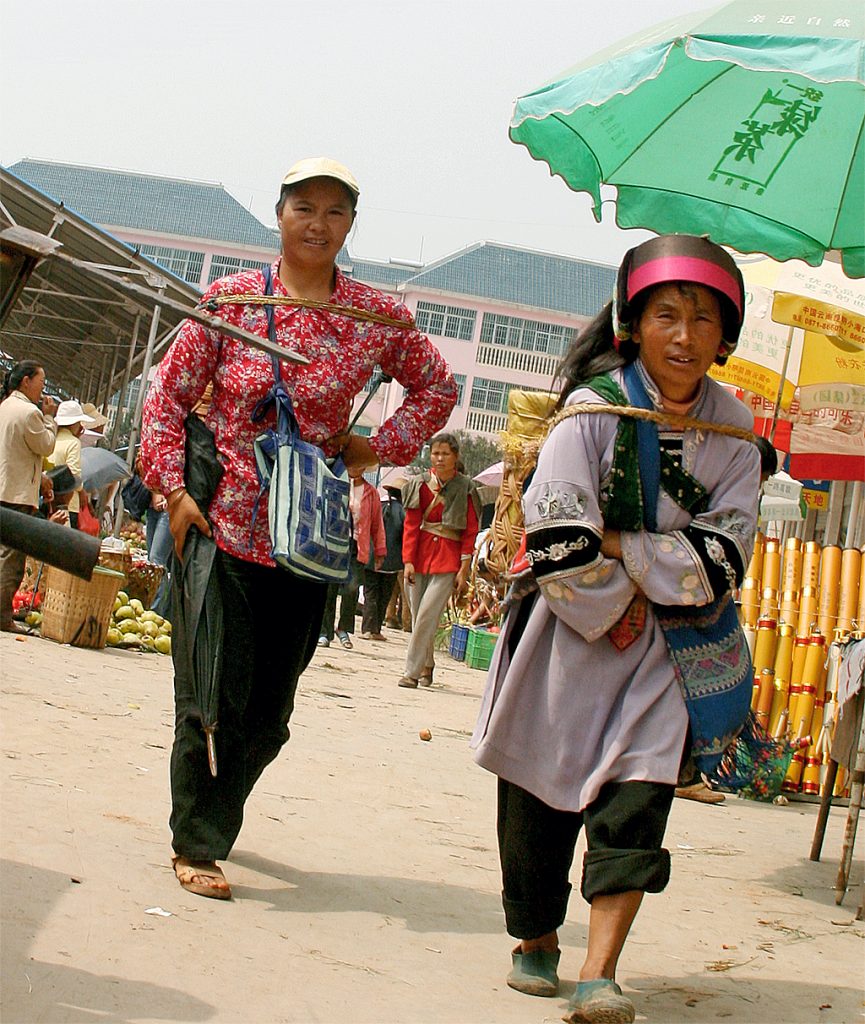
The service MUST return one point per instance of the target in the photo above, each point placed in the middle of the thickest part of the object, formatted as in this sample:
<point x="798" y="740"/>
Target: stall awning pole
<point x="121" y="394"/>
<point x="135" y="429"/>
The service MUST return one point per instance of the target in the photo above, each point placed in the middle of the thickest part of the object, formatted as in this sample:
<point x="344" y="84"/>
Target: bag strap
<point x="267" y="273"/>
<point x="286" y="420"/>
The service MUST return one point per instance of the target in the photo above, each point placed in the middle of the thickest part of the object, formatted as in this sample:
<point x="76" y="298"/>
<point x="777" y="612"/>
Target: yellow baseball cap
<point x="321" y="167"/>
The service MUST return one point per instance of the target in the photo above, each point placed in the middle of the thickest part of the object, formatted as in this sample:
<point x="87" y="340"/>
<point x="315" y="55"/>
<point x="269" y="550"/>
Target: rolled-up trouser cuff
<point x="606" y="872"/>
<point x="530" y="919"/>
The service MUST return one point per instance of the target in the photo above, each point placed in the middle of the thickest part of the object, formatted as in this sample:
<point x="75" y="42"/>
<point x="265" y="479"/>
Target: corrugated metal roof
<point x="374" y="272"/>
<point x="170" y="205"/>
<point x="489" y="270"/>
<point x="76" y="324"/>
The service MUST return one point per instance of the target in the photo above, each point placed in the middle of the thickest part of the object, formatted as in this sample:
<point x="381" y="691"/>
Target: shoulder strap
<point x="648" y="447"/>
<point x="267" y="274"/>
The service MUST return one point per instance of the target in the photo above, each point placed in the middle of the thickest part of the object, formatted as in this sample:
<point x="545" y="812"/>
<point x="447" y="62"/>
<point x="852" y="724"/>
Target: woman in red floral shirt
<point x="315" y="211"/>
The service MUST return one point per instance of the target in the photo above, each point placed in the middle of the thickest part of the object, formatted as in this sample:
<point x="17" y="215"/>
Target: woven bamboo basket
<point x="120" y="561"/>
<point x="76" y="611"/>
<point x="143" y="581"/>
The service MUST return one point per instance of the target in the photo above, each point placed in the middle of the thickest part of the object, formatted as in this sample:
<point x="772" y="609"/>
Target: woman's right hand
<point x="408" y="573"/>
<point x="183" y="512"/>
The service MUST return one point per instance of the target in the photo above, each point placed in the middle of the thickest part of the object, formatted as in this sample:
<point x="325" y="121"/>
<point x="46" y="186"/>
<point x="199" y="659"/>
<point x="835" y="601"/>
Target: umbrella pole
<point x="781" y="381"/>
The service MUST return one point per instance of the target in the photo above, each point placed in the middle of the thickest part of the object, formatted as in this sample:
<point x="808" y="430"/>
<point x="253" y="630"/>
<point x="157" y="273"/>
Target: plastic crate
<point x="458" y="641"/>
<point x="479" y="648"/>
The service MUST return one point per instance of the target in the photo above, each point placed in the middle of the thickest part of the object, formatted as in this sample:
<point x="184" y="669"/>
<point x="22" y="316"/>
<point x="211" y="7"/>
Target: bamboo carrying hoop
<point x="76" y="611"/>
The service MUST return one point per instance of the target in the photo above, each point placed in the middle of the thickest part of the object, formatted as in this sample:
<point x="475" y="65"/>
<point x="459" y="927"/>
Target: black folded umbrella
<point x="197" y="618"/>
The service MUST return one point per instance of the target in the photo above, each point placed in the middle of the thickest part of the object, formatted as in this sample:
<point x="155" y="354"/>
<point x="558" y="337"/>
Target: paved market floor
<point x="365" y="878"/>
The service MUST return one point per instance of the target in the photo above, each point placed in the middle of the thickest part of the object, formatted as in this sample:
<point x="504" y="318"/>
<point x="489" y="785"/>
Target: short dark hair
<point x="448" y="439"/>
<point x="286" y="191"/>
<point x="21" y="370"/>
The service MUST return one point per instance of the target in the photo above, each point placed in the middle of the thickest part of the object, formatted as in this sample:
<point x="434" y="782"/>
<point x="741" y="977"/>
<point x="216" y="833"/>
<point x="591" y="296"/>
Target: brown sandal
<point x="190" y="874"/>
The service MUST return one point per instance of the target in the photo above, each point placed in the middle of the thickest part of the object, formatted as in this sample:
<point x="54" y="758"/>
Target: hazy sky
<point x="414" y="96"/>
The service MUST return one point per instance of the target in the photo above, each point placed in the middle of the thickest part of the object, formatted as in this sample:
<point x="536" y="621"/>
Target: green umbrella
<point x="744" y="123"/>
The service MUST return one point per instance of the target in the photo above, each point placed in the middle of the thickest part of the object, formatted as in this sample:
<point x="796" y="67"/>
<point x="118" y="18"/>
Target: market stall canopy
<point x="80" y="325"/>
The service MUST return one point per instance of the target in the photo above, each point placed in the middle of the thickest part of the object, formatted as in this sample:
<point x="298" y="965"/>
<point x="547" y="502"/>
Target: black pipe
<point x="60" y="546"/>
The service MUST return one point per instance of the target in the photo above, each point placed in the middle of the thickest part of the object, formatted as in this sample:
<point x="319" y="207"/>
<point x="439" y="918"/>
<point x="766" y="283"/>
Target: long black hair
<point x="25" y="368"/>
<point x="592" y="352"/>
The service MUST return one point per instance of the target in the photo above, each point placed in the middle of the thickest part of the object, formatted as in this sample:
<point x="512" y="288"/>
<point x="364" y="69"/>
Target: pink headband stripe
<point x="665" y="269"/>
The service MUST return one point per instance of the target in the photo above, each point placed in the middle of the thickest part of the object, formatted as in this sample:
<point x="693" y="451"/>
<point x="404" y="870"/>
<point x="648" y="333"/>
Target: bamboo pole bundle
<point x="791" y="574"/>
<point x="768" y="604"/>
<point x="810" y="564"/>
<point x="765" y="694"/>
<point x="794" y="772"/>
<point x="788" y="611"/>
<point x="807" y="610"/>
<point x="791" y="581"/>
<point x="783" y="664"/>
<point x="827" y="620"/>
<point x="848" y="603"/>
<point x="830" y="587"/>
<point x="771" y="576"/>
<point x="764" y="654"/>
<point x="860" y="612"/>
<point x="812" y="768"/>
<point x="830" y="709"/>
<point x="803" y="712"/>
<point x="749" y="596"/>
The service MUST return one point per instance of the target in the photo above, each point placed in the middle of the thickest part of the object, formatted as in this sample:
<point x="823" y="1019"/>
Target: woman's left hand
<point x="611" y="544"/>
<point x="357" y="453"/>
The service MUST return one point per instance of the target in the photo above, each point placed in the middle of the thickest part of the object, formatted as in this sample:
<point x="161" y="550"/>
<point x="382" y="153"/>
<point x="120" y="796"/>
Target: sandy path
<point x="366" y="876"/>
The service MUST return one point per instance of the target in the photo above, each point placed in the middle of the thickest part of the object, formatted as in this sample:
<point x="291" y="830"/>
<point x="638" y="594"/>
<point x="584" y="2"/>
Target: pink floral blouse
<point x="342" y="352"/>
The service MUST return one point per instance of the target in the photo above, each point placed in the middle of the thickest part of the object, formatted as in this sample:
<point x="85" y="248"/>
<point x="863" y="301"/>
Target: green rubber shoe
<point x="535" y="973"/>
<point x="599" y="1002"/>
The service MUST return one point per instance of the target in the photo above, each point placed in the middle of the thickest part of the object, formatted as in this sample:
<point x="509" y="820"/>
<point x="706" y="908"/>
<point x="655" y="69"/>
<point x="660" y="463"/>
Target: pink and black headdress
<point x="670" y="258"/>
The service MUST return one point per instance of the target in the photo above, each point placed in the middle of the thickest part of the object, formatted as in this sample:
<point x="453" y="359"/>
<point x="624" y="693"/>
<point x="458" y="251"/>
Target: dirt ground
<point x="365" y="878"/>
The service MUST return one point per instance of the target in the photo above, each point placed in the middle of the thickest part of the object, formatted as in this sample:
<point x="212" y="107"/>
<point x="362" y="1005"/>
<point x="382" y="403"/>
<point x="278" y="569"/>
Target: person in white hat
<point x="71" y="421"/>
<point x="345" y="329"/>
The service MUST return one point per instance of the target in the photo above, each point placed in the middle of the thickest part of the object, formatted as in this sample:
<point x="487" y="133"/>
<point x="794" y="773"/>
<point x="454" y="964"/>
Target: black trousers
<point x="272" y="619"/>
<point x="348" y="594"/>
<point x="624" y="831"/>
<point x="377" y="588"/>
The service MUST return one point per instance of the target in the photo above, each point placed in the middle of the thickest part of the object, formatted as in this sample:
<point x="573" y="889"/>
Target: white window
<point x="185" y="263"/>
<point x="491" y="395"/>
<point x="445" y="321"/>
<point x="222" y="266"/>
<point x="528" y="335"/>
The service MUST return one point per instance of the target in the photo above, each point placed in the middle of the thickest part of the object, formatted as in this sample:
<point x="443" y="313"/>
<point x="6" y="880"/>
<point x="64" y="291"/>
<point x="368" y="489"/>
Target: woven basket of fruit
<point x="77" y="611"/>
<point x="143" y="581"/>
<point x="120" y="561"/>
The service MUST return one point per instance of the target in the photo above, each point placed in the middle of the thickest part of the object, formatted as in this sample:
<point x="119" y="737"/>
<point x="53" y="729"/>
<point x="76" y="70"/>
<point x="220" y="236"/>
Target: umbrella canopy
<point x="717" y="124"/>
<point x="491" y="476"/>
<point x="101" y="468"/>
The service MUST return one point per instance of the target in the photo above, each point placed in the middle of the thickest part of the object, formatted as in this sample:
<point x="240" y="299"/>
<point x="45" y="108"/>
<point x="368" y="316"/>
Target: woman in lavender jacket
<point x="583" y="719"/>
